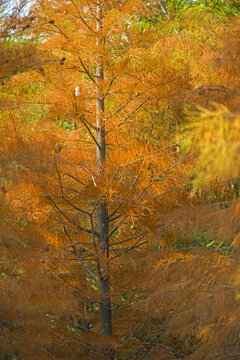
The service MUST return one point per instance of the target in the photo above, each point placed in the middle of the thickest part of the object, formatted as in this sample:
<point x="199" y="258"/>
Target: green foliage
<point x="66" y="124"/>
<point x="218" y="8"/>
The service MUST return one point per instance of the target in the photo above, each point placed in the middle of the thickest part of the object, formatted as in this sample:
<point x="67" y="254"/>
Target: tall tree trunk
<point x="102" y="210"/>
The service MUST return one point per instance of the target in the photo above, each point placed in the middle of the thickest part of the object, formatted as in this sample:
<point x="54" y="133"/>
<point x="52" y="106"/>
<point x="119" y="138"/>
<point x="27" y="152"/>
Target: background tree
<point x="21" y="321"/>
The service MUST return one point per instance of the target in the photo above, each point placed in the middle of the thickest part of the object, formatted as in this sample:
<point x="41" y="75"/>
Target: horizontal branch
<point x="129" y="239"/>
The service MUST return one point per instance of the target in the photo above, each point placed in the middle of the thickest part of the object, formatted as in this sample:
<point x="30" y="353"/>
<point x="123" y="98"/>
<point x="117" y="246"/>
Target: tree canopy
<point x="119" y="181"/>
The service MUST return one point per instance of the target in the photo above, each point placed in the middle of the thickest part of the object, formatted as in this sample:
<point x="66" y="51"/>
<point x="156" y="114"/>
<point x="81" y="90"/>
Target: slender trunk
<point x="102" y="210"/>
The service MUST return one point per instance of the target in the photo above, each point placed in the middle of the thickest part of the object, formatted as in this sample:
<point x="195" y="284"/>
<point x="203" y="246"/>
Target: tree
<point x="99" y="79"/>
<point x="21" y="270"/>
<point x="104" y="185"/>
<point x="201" y="271"/>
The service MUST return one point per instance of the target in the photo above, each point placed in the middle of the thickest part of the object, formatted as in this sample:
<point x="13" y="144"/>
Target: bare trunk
<point x="102" y="210"/>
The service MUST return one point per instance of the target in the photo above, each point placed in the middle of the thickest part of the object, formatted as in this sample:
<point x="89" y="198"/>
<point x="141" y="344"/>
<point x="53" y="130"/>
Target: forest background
<point x="119" y="179"/>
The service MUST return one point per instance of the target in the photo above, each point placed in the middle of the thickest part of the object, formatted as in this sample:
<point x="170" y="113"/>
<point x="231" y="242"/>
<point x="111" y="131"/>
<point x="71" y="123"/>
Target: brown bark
<point x="102" y="209"/>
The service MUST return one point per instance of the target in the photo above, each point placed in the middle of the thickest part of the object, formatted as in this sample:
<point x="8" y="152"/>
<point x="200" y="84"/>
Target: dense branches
<point x="119" y="180"/>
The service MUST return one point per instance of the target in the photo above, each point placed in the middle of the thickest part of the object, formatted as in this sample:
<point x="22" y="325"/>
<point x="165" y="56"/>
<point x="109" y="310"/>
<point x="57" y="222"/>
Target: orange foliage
<point x="170" y="293"/>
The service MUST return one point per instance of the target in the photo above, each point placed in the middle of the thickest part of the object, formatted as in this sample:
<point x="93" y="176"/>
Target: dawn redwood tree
<point x="109" y="76"/>
<point x="104" y="71"/>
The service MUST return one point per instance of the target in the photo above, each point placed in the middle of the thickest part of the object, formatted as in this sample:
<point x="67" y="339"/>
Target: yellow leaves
<point x="236" y="241"/>
<point x="163" y="264"/>
<point x="206" y="333"/>
<point x="215" y="136"/>
<point x="235" y="280"/>
<point x="236" y="277"/>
